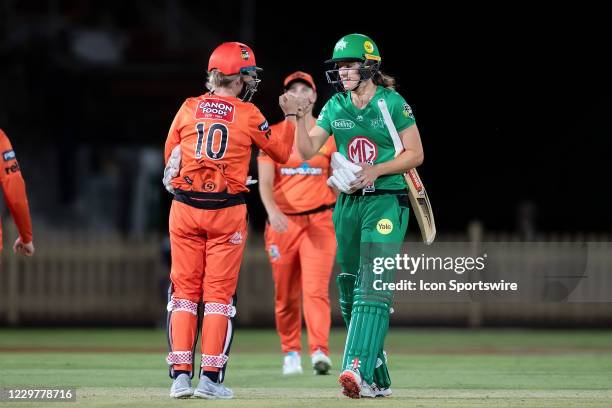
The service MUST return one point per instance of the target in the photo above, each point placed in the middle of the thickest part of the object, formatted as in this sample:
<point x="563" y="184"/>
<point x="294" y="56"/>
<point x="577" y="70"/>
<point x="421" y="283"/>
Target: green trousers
<point x="367" y="227"/>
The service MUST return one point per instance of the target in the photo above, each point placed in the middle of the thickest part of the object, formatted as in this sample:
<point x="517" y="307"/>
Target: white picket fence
<point x="81" y="277"/>
<point x="84" y="277"/>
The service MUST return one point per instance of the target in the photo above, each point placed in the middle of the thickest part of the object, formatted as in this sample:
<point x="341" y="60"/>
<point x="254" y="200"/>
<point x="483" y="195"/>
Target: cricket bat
<point x="421" y="206"/>
<point x="416" y="189"/>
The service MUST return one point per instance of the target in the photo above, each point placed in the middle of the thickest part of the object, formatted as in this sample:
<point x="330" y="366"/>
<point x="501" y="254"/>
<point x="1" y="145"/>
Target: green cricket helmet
<point x="357" y="48"/>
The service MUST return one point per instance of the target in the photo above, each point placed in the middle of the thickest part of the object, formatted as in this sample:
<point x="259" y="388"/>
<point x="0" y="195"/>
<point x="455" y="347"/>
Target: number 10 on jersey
<point x="215" y="143"/>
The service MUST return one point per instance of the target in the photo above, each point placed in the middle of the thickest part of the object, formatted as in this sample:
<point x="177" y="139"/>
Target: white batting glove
<point x="341" y="179"/>
<point x="338" y="161"/>
<point x="332" y="182"/>
<point x="173" y="167"/>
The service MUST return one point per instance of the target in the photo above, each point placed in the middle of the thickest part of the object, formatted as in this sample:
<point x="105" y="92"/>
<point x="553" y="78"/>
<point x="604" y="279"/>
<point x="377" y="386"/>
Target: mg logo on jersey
<point x="216" y="109"/>
<point x="343" y="124"/>
<point x="361" y="150"/>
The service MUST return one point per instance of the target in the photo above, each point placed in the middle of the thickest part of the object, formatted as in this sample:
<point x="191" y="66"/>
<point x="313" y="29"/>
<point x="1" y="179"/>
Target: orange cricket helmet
<point x="232" y="58"/>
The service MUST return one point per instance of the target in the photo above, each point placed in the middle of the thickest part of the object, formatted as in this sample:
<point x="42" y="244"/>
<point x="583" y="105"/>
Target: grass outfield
<point x="430" y="368"/>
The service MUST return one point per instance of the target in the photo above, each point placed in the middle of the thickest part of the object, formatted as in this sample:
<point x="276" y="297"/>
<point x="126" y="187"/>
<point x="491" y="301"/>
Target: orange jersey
<point x="14" y="190"/>
<point x="301" y="185"/>
<point x="215" y="134"/>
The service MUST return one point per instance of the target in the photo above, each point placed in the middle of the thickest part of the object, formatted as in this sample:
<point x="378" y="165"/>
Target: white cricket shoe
<point x="320" y="362"/>
<point x="181" y="387"/>
<point x="292" y="364"/>
<point x="212" y="390"/>
<point x="381" y="392"/>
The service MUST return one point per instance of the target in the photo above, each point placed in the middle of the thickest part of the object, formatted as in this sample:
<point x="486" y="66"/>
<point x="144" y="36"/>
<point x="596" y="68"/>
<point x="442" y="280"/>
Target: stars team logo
<point x="340" y="45"/>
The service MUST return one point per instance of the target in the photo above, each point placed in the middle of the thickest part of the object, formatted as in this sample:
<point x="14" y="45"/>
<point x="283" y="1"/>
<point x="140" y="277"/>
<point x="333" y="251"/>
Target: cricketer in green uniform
<point x="371" y="217"/>
<point x="372" y="221"/>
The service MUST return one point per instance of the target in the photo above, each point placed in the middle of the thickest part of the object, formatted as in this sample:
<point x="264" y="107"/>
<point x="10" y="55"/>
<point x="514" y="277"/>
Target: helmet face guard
<point x="367" y="70"/>
<point x="250" y="84"/>
<point x="354" y="48"/>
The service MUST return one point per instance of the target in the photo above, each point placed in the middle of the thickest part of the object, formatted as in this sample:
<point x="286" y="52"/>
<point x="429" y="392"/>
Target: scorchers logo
<point x="216" y="109"/>
<point x="362" y="150"/>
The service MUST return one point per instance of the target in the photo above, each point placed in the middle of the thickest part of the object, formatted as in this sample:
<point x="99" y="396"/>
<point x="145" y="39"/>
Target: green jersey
<point x="361" y="134"/>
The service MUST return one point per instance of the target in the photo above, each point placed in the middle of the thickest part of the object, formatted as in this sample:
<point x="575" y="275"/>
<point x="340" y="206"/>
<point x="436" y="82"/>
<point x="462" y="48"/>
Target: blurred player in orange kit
<point x="207" y="157"/>
<point x="300" y="241"/>
<point x="13" y="188"/>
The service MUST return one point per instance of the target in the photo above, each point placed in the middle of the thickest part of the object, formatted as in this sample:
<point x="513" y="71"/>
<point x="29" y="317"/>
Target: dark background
<point x="513" y="104"/>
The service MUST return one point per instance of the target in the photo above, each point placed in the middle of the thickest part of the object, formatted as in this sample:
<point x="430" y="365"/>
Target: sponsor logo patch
<point x="343" y="124"/>
<point x="12" y="169"/>
<point x="416" y="182"/>
<point x="8" y="155"/>
<point x="273" y="253"/>
<point x="244" y="53"/>
<point x="216" y="109"/>
<point x="236" y="238"/>
<point x="264" y="126"/>
<point x="303" y="170"/>
<point x="361" y="150"/>
<point x="407" y="112"/>
<point x="384" y="226"/>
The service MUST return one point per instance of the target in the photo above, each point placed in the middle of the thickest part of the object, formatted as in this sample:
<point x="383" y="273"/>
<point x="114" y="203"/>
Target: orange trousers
<point x="207" y="248"/>
<point x="302" y="259"/>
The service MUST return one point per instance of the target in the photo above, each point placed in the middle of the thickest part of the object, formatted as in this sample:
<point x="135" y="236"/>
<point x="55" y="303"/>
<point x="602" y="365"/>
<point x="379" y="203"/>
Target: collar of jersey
<point x="373" y="98"/>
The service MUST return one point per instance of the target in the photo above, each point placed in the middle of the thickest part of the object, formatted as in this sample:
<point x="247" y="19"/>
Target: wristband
<point x="291" y="114"/>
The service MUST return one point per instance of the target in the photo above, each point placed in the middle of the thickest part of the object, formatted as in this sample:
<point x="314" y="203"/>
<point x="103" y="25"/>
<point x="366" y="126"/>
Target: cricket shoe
<point x="320" y="362"/>
<point x="353" y="386"/>
<point x="381" y="392"/>
<point x="208" y="389"/>
<point x="292" y="364"/>
<point x="181" y="387"/>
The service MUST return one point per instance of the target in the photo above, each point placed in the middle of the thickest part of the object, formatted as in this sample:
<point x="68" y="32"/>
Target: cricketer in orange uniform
<point x="302" y="253"/>
<point x="208" y="226"/>
<point x="13" y="187"/>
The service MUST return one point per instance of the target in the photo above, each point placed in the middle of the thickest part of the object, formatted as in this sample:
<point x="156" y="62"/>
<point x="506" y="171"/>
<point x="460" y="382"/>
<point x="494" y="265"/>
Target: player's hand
<point x="291" y="103"/>
<point x="25" y="249"/>
<point x="366" y="176"/>
<point x="304" y="103"/>
<point x="288" y="103"/>
<point x="278" y="221"/>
